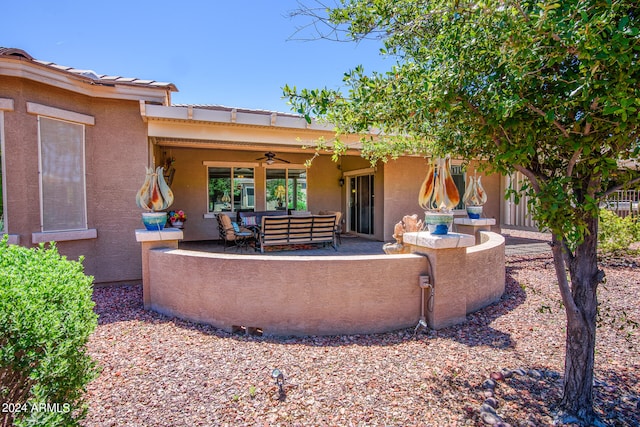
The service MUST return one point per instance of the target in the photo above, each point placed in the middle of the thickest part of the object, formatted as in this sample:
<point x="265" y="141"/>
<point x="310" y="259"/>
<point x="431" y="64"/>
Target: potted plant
<point x="154" y="196"/>
<point x="177" y="218"/>
<point x="438" y="196"/>
<point x="280" y="193"/>
<point x="474" y="197"/>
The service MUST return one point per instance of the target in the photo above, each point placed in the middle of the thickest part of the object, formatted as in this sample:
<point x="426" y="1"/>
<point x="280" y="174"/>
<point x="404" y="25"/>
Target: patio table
<point x="242" y="239"/>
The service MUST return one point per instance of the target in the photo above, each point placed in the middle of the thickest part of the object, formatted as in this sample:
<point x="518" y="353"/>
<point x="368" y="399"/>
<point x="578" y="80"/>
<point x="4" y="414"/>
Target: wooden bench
<point x="294" y="230"/>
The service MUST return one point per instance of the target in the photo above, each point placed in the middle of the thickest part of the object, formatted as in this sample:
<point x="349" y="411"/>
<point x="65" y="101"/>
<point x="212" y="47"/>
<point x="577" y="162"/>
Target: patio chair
<point x="228" y="229"/>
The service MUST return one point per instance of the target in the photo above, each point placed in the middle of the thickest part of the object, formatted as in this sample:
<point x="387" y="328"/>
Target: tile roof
<point x="89" y="74"/>
<point x="10" y="51"/>
<point x="217" y="107"/>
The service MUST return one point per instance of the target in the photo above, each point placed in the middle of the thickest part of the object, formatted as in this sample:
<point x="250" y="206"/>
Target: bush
<point x="46" y="317"/>
<point x="615" y="234"/>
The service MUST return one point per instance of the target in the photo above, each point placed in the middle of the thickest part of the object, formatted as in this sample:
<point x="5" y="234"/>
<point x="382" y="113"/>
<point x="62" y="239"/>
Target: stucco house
<point x="74" y="145"/>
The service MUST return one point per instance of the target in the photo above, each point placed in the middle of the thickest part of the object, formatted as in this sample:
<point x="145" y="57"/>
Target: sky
<point x="236" y="53"/>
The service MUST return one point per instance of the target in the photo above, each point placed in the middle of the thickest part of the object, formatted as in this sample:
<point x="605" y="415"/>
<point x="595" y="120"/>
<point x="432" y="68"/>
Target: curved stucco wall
<point x="487" y="264"/>
<point x="298" y="295"/>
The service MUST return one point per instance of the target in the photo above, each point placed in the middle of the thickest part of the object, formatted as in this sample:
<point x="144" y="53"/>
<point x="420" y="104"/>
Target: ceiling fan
<point x="271" y="158"/>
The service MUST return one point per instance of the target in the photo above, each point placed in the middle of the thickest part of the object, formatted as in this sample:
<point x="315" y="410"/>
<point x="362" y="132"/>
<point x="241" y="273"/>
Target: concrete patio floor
<point x="517" y="242"/>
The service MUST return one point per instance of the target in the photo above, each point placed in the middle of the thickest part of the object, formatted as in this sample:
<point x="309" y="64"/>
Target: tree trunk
<point x="581" y="309"/>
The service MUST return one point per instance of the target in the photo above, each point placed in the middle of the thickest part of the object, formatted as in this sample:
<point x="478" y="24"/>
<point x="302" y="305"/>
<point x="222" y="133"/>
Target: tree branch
<point x="522" y="12"/>
<point x="533" y="178"/>
<point x="615" y="188"/>
<point x="573" y="161"/>
<point x="322" y="27"/>
<point x="555" y="122"/>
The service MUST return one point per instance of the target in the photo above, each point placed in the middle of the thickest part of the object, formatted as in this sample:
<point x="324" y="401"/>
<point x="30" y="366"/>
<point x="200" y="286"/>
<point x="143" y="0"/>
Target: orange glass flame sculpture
<point x="438" y="190"/>
<point x="154" y="195"/>
<point x="438" y="196"/>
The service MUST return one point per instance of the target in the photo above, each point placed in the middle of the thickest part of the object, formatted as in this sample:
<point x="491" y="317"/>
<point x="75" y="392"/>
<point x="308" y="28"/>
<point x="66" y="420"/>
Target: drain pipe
<point x="425" y="282"/>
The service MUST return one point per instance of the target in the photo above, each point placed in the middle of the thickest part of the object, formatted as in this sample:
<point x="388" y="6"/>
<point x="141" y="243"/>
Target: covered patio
<point x="228" y="160"/>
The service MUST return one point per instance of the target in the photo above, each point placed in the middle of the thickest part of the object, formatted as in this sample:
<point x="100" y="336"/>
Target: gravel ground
<point x="160" y="371"/>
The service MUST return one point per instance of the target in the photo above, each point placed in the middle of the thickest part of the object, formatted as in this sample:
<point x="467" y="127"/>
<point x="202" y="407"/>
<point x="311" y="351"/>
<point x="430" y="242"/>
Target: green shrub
<point x="615" y="234"/>
<point x="46" y="317"/>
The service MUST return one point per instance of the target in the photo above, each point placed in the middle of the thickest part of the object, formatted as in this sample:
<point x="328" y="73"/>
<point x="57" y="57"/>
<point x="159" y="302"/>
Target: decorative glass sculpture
<point x="438" y="196"/>
<point x="474" y="197"/>
<point x="154" y="195"/>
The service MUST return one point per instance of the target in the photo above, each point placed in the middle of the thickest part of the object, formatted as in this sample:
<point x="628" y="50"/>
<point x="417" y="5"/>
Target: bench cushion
<point x="249" y="221"/>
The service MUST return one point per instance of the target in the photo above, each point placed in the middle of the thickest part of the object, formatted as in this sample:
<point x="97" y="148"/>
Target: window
<point x="62" y="175"/>
<point x="5" y="105"/>
<point x="1" y="174"/>
<point x="231" y="189"/>
<point x="459" y="178"/>
<point x="286" y="189"/>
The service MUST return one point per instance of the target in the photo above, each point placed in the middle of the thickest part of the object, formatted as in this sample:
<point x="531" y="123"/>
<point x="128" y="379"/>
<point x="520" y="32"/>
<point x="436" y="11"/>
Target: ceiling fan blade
<point x="282" y="160"/>
<point x="269" y="155"/>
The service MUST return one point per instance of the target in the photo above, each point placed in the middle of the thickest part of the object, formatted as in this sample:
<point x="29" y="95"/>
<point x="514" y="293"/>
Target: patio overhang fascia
<point x="230" y="128"/>
<point x="77" y="83"/>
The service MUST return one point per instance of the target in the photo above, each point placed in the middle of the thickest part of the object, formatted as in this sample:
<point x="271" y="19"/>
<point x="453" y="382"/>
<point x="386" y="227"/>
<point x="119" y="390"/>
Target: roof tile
<point x="88" y="74"/>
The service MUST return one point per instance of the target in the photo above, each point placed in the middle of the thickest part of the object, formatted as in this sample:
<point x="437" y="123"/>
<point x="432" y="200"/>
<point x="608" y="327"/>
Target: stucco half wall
<point x="298" y="295"/>
<point x="288" y="295"/>
<point x="487" y="274"/>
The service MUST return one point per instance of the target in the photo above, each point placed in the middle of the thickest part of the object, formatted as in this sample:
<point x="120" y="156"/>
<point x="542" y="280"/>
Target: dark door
<point x="361" y="197"/>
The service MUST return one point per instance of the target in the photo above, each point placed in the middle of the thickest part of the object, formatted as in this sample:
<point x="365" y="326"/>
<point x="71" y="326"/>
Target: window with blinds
<point x="62" y="175"/>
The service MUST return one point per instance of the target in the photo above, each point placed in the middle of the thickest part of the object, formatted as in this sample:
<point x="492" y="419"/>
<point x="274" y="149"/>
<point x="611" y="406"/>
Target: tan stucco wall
<point x="116" y="152"/>
<point x="288" y="295"/>
<point x="402" y="180"/>
<point x="464" y="279"/>
<point x="285" y="295"/>
<point x="488" y="271"/>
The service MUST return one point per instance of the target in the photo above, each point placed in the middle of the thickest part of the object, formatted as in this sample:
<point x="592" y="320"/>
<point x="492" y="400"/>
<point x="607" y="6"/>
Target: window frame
<point x="232" y="166"/>
<point x="286" y="167"/>
<point x="6" y="104"/>
<point x="74" y="118"/>
<point x="82" y="187"/>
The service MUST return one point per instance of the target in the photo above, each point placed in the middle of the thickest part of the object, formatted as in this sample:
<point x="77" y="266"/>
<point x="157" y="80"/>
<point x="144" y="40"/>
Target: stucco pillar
<point x="167" y="238"/>
<point x="473" y="226"/>
<point x="450" y="276"/>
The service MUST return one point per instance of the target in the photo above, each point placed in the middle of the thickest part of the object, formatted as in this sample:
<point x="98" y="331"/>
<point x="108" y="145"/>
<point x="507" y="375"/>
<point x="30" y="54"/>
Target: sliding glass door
<point x="361" y="204"/>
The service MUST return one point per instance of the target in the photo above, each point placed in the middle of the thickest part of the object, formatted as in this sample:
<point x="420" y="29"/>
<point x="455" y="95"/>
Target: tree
<point x="549" y="89"/>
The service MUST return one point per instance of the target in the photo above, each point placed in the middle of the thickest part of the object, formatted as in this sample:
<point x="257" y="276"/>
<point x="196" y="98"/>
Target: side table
<point x="242" y="240"/>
